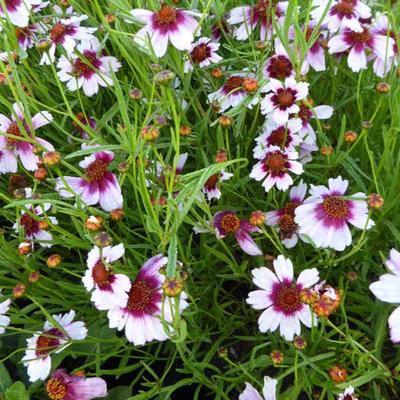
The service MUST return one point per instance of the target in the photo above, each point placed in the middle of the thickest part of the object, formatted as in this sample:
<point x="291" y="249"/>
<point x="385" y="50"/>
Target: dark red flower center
<point x="234" y="83"/>
<point x="14" y="130"/>
<point x="166" y="15"/>
<point x="285" y="98"/>
<point x="361" y="37"/>
<point x="140" y="296"/>
<point x="87" y="65"/>
<point x="287" y="297"/>
<point x="200" y="53"/>
<point x="57" y="32"/>
<point x="100" y="274"/>
<point x="230" y="223"/>
<point x="280" y="67"/>
<point x="56" y="390"/>
<point x="335" y="207"/>
<point x="279" y="137"/>
<point x="305" y="113"/>
<point x="48" y="341"/>
<point x="287" y="226"/>
<point x="96" y="170"/>
<point x="211" y="182"/>
<point x="30" y="225"/>
<point x="264" y="6"/>
<point x="345" y="7"/>
<point x="275" y="162"/>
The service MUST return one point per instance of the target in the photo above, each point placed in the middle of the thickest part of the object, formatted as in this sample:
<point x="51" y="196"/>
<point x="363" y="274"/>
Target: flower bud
<point x="40" y="174"/>
<point x="54" y="260"/>
<point x="382" y="87"/>
<point x="155" y="67"/>
<point x="34" y="277"/>
<point x="93" y="223"/>
<point x="326" y="150"/>
<point x="43" y="44"/>
<point x="123" y="167"/>
<point x="221" y="156"/>
<point x="299" y="343"/>
<point x="172" y="287"/>
<point x="164" y="77"/>
<point x="352" y="276"/>
<point x="19" y="290"/>
<point x="261" y="45"/>
<point x="135" y="94"/>
<point x="185" y="130"/>
<point x="150" y="133"/>
<point x="350" y="136"/>
<point x="366" y="124"/>
<point x="117" y="214"/>
<point x="43" y="225"/>
<point x="338" y="374"/>
<point x="250" y="85"/>
<point x="375" y="200"/>
<point x="257" y="218"/>
<point x="225" y="121"/>
<point x="51" y="158"/>
<point x="277" y="357"/>
<point x="217" y="73"/>
<point x="103" y="239"/>
<point x="110" y="18"/>
<point x="25" y="248"/>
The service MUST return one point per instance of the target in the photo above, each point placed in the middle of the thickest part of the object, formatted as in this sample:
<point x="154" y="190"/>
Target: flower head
<point x="4" y="319"/>
<point x="203" y="52"/>
<point x="269" y="391"/>
<point x="211" y="187"/>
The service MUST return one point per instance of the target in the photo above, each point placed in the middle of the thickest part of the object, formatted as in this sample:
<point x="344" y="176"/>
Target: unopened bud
<point x="261" y="45"/>
<point x="277" y="357"/>
<point x="117" y="214"/>
<point x="43" y="225"/>
<point x="150" y="133"/>
<point x="382" y="87"/>
<point x="19" y="290"/>
<point x="164" y="77"/>
<point x="225" y="121"/>
<point x="172" y="287"/>
<point x="185" y="130"/>
<point x="40" y="174"/>
<point x="299" y="343"/>
<point x="257" y="218"/>
<point x="110" y="18"/>
<point x="338" y="374"/>
<point x="54" y="260"/>
<point x="93" y="223"/>
<point x="51" y="158"/>
<point x="366" y="124"/>
<point x="352" y="276"/>
<point x="34" y="277"/>
<point x="221" y="156"/>
<point x="103" y="239"/>
<point x="43" y="44"/>
<point x="375" y="200"/>
<point x="326" y="150"/>
<point x="135" y="94"/>
<point x="25" y="248"/>
<point x="350" y="136"/>
<point x="217" y="73"/>
<point x="250" y="85"/>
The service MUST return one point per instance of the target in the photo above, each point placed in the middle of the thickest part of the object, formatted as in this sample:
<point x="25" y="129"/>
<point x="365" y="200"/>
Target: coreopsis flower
<point x="262" y="13"/>
<point x="203" y="53"/>
<point x="323" y="218"/>
<point x="274" y="166"/>
<point x="341" y="14"/>
<point x="281" y="99"/>
<point x="348" y="394"/>
<point x="27" y="35"/>
<point x="269" y="391"/>
<point x="98" y="185"/>
<point x="88" y="70"/>
<point x="18" y="11"/>
<point x="4" y="319"/>
<point x="315" y="56"/>
<point x="228" y="223"/>
<point x="220" y="29"/>
<point x="232" y="93"/>
<point x="67" y="33"/>
<point x="283" y="218"/>
<point x="63" y="386"/>
<point x="168" y="24"/>
<point x="211" y="187"/>
<point x="284" y="136"/>
<point x="387" y="290"/>
<point x="51" y="340"/>
<point x="86" y="120"/>
<point x="146" y="315"/>
<point x="108" y="289"/>
<point x="14" y="144"/>
<point x="360" y="44"/>
<point x="279" y="296"/>
<point x="278" y="66"/>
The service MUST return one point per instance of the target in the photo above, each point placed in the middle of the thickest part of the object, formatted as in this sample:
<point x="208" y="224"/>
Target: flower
<point x="269" y="391"/>
<point x="274" y="168"/>
<point x="323" y="218"/>
<point x="4" y="319"/>
<point x="387" y="290"/>
<point x="348" y="394"/>
<point x="360" y="44"/>
<point x="63" y="386"/>
<point x="261" y="13"/>
<point x="67" y="32"/>
<point x="26" y="35"/>
<point x="167" y="24"/>
<point x="341" y="14"/>
<point x="280" y="297"/>
<point x="211" y="189"/>
<point x="283" y="218"/>
<point x="202" y="53"/>
<point x="315" y="56"/>
<point x="98" y="185"/>
<point x="278" y="66"/>
<point x="109" y="289"/>
<point x="15" y="142"/>
<point x="17" y="11"/>
<point x="227" y="222"/>
<point x="52" y="339"/>
<point x="146" y="313"/>
<point x="87" y="121"/>
<point x="281" y="101"/>
<point x="87" y="72"/>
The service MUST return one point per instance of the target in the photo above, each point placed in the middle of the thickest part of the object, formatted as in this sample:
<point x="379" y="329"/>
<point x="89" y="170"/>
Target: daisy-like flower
<point x="99" y="185"/>
<point x="63" y="386"/>
<point x="88" y="70"/>
<point x="13" y="139"/>
<point x="67" y="32"/>
<point x="348" y="394"/>
<point x="323" y="218"/>
<point x="146" y="313"/>
<point x="227" y="222"/>
<point x="284" y="136"/>
<point x="274" y="168"/>
<point x="211" y="187"/>
<point x="360" y="43"/>
<point x="341" y="14"/>
<point x="4" y="319"/>
<point x="315" y="56"/>
<point x="269" y="391"/>
<point x="280" y="296"/>
<point x="168" y="24"/>
<point x="387" y="290"/>
<point x="27" y="35"/>
<point x="279" y="65"/>
<point x="283" y="218"/>
<point x="262" y="13"/>
<point x="202" y="53"/>
<point x="109" y="289"/>
<point x="18" y="11"/>
<point x="281" y="100"/>
<point x="232" y="93"/>
<point x="52" y="339"/>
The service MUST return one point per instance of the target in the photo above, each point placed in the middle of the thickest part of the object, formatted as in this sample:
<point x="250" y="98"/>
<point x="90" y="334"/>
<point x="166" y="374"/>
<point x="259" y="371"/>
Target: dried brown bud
<point x="185" y="130"/>
<point x="225" y="120"/>
<point x="54" y="260"/>
<point x="40" y="174"/>
<point x="117" y="214"/>
<point x="382" y="87"/>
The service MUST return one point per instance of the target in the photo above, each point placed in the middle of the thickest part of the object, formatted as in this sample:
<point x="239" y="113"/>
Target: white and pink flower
<point x="67" y="33"/>
<point x="324" y="217"/>
<point x="269" y="391"/>
<point x="88" y="70"/>
<point x="228" y="223"/>
<point x="315" y="56"/>
<point x="203" y="53"/>
<point x="18" y="11"/>
<point x="74" y="387"/>
<point x="274" y="167"/>
<point x="51" y="340"/>
<point x="281" y="99"/>
<point x="99" y="185"/>
<point x="4" y="319"/>
<point x="108" y="289"/>
<point x="146" y="315"/>
<point x="27" y="35"/>
<point x="168" y="24"/>
<point x="387" y="289"/>
<point x="278" y="66"/>
<point x="211" y="187"/>
<point x="280" y="297"/>
<point x="16" y="139"/>
<point x="283" y="218"/>
<point x="348" y="394"/>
